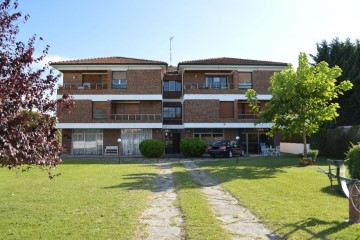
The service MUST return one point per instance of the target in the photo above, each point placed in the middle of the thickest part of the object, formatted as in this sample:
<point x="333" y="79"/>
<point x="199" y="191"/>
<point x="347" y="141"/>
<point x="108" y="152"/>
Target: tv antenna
<point x="171" y="38"/>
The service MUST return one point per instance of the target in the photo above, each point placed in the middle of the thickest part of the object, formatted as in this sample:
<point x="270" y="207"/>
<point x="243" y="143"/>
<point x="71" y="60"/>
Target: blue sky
<point x="274" y="30"/>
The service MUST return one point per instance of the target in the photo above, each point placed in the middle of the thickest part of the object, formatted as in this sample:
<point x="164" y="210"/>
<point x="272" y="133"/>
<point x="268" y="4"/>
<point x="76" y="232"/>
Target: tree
<point x="301" y="100"/>
<point x="27" y="123"/>
<point x="346" y="55"/>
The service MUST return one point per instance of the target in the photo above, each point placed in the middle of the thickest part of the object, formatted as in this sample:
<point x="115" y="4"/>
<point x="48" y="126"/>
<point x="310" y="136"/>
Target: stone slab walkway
<point x="163" y="219"/>
<point x="241" y="223"/>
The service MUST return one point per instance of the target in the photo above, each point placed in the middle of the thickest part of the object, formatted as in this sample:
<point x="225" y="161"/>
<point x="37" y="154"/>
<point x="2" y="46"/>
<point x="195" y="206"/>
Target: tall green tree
<point x="301" y="100"/>
<point x="346" y="55"/>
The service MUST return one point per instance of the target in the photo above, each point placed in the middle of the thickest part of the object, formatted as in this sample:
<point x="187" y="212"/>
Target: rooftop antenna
<point x="171" y="38"/>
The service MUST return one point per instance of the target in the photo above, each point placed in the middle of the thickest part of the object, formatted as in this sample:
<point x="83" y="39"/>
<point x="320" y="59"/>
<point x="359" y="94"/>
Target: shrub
<point x="192" y="147"/>
<point x="313" y="153"/>
<point x="354" y="160"/>
<point x="152" y="148"/>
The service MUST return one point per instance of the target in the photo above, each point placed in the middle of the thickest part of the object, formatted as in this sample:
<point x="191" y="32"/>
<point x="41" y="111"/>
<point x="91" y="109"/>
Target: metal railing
<point x="245" y="85"/>
<point x="248" y="116"/>
<point x="83" y="86"/>
<point x="135" y="117"/>
<point x="208" y="86"/>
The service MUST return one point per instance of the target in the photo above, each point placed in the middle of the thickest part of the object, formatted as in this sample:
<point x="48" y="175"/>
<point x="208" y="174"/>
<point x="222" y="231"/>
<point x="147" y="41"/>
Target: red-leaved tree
<point x="27" y="123"/>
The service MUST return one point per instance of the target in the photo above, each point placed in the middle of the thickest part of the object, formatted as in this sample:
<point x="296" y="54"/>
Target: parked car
<point x="225" y="148"/>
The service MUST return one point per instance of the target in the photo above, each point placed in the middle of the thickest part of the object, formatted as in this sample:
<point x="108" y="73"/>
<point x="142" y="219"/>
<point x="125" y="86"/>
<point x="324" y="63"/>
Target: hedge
<point x="192" y="147"/>
<point x="152" y="148"/>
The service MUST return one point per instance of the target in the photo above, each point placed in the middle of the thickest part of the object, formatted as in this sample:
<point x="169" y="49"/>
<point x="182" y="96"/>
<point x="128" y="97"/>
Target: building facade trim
<point x="227" y="125"/>
<point x="106" y="97"/>
<point x="107" y="125"/>
<point x="223" y="97"/>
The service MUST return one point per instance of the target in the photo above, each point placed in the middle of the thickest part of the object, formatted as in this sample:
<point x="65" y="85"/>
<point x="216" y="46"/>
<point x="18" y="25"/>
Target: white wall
<point x="293" y="148"/>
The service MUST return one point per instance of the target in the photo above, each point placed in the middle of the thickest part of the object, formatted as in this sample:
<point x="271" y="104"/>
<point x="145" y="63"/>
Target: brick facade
<point x="82" y="113"/>
<point x="261" y="81"/>
<point x="149" y="81"/>
<point x="138" y="82"/>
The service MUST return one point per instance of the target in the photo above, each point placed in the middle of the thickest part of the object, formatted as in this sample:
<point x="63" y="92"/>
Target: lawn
<point x="93" y="199"/>
<point x="293" y="200"/>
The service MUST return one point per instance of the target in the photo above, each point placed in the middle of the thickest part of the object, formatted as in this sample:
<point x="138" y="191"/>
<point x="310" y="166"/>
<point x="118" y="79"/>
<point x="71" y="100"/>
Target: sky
<point x="273" y="30"/>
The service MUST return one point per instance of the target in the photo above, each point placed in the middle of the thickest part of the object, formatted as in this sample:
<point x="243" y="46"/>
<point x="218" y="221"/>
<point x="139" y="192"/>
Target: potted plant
<point x="301" y="158"/>
<point x="312" y="154"/>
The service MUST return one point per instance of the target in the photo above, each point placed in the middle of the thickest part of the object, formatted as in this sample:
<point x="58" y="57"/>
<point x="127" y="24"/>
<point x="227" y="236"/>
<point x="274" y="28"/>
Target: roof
<point x="110" y="60"/>
<point x="230" y="61"/>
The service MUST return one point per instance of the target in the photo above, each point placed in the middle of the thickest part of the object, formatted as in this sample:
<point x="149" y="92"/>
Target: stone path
<point x="163" y="219"/>
<point x="241" y="223"/>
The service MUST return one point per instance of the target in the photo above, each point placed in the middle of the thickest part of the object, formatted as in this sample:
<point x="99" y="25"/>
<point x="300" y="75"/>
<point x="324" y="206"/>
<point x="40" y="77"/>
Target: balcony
<point x="248" y="117"/>
<point x="136" y="117"/>
<point x="214" y="88"/>
<point x="172" y="121"/>
<point x="82" y="86"/>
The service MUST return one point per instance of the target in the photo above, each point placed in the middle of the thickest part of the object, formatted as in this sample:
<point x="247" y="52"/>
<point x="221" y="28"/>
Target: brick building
<point x="137" y="99"/>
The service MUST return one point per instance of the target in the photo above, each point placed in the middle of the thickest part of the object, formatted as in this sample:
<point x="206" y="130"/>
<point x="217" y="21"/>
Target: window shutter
<point x="227" y="109"/>
<point x="119" y="75"/>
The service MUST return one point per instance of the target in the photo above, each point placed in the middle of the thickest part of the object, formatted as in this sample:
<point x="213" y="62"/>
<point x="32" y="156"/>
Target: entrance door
<point x="172" y="142"/>
<point x="251" y="142"/>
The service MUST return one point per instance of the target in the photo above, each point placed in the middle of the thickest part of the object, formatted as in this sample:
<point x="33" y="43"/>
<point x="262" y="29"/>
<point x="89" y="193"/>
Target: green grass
<point x="200" y="222"/>
<point x="93" y="199"/>
<point x="295" y="201"/>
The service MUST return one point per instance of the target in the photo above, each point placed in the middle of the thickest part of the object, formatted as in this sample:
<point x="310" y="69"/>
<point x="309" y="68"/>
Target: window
<point x="217" y="82"/>
<point x="99" y="110"/>
<point x="87" y="141"/>
<point x="245" y="80"/>
<point x="119" y="84"/>
<point x="119" y="80"/>
<point x="172" y="112"/>
<point x="172" y="86"/>
<point x="209" y="135"/>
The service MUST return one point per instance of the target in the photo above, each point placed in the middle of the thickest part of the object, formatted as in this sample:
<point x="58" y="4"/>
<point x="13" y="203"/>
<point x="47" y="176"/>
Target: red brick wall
<point x="261" y="81"/>
<point x="138" y="82"/>
<point x="81" y="112"/>
<point x="110" y="137"/>
<point x="230" y="133"/>
<point x="158" y="134"/>
<point x="208" y="111"/>
<point x="201" y="111"/>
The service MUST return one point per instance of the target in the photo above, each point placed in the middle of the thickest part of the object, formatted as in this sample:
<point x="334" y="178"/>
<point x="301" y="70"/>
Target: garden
<point x="95" y="199"/>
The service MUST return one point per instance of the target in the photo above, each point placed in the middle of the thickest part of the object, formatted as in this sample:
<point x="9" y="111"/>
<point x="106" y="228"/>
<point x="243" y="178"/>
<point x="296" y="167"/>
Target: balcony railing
<point x="248" y="116"/>
<point x="208" y="86"/>
<point x="245" y="85"/>
<point x="136" y="117"/>
<point x="83" y="86"/>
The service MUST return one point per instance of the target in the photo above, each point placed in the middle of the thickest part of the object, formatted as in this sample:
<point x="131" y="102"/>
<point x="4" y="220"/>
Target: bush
<point x="313" y="153"/>
<point x="152" y="148"/>
<point x="354" y="160"/>
<point x="192" y="147"/>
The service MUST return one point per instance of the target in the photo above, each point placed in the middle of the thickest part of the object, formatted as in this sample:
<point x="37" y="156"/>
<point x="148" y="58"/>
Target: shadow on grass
<point x="101" y="160"/>
<point x="249" y="168"/>
<point x="334" y="190"/>
<point x="307" y="225"/>
<point x="143" y="181"/>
